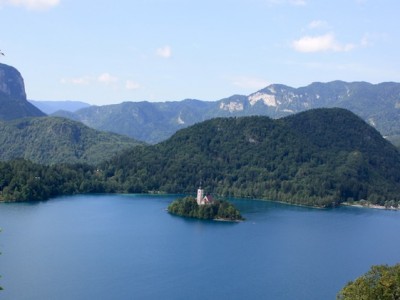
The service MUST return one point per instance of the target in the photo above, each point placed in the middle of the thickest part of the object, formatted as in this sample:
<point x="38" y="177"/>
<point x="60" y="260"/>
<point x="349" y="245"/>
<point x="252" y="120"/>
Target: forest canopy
<point x="321" y="157"/>
<point x="380" y="282"/>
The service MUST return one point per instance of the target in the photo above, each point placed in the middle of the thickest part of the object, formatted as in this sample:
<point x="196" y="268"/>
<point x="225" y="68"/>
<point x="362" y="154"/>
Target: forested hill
<point x="50" y="140"/>
<point x="319" y="157"/>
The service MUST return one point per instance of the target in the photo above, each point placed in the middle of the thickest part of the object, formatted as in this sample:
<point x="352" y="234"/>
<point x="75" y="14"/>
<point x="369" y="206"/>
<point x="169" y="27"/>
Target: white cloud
<point x="370" y="39"/>
<point x="107" y="79"/>
<point x="164" y="52"/>
<point x="250" y="83"/>
<point x="104" y="78"/>
<point x="366" y="40"/>
<point x="318" y="24"/>
<point x="31" y="4"/>
<point x="320" y="43"/>
<point x="131" y="85"/>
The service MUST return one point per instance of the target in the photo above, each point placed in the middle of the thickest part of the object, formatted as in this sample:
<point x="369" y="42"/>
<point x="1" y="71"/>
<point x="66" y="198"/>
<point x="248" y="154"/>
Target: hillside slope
<point x="320" y="157"/>
<point x="50" y="140"/>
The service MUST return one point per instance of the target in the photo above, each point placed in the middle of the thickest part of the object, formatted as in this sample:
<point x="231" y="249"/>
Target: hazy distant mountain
<point x="378" y="104"/>
<point x="146" y="121"/>
<point x="50" y="140"/>
<point x="13" y="103"/>
<point x="50" y="107"/>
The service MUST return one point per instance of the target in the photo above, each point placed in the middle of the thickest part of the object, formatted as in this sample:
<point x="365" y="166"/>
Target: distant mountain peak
<point x="13" y="103"/>
<point x="11" y="82"/>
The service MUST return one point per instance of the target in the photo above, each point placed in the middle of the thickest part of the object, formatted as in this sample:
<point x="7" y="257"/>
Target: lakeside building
<point x="201" y="199"/>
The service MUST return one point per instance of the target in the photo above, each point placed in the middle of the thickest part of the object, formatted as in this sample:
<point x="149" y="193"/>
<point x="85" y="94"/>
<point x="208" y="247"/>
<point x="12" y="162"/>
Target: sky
<point x="104" y="52"/>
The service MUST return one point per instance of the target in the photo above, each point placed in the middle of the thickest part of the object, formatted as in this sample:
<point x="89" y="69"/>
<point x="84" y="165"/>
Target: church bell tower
<point x="200" y="195"/>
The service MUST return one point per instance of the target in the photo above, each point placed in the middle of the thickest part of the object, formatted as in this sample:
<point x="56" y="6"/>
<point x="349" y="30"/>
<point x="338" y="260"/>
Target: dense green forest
<point x="51" y="140"/>
<point x="22" y="180"/>
<point x="320" y="157"/>
<point x="380" y="282"/>
<point x="217" y="210"/>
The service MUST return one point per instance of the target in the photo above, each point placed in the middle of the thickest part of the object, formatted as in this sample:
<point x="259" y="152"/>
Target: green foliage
<point x="188" y="207"/>
<point x="51" y="140"/>
<point x="380" y="282"/>
<point x="320" y="157"/>
<point x="22" y="180"/>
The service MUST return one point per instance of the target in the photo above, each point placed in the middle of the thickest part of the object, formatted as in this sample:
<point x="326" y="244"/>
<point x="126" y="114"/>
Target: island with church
<point x="205" y="207"/>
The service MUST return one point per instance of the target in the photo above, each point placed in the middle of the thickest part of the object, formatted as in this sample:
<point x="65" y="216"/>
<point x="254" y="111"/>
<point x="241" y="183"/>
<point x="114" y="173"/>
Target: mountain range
<point x="152" y="122"/>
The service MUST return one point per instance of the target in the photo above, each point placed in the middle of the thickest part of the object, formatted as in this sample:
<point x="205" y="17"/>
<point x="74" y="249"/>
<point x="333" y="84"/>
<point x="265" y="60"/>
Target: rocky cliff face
<point x="377" y="104"/>
<point x="277" y="100"/>
<point x="11" y="82"/>
<point x="13" y="103"/>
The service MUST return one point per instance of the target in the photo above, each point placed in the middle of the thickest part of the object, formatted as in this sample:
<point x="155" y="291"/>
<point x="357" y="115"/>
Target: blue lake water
<point x="129" y="247"/>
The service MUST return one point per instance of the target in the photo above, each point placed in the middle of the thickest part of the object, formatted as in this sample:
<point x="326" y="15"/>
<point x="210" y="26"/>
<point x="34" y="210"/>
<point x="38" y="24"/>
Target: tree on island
<point x="380" y="282"/>
<point x="217" y="210"/>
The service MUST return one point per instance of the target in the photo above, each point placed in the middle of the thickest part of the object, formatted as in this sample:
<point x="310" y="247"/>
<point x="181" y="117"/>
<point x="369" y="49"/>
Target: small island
<point x="204" y="207"/>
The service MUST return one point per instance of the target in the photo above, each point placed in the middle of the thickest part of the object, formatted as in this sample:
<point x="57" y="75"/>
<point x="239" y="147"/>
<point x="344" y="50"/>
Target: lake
<point x="129" y="247"/>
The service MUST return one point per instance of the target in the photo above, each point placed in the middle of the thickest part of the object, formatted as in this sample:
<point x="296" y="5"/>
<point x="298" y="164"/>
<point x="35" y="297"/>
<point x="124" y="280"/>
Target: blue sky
<point x="105" y="52"/>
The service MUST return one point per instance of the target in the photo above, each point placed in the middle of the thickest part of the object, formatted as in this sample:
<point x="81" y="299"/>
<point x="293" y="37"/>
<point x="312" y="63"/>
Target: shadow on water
<point x="197" y="222"/>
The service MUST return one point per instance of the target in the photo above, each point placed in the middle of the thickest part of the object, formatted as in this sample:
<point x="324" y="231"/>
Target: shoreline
<point x="227" y="220"/>
<point x="353" y="204"/>
<point x="372" y="206"/>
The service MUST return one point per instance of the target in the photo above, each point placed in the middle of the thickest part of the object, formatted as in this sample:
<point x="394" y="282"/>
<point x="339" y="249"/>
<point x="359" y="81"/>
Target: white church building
<point x="203" y="199"/>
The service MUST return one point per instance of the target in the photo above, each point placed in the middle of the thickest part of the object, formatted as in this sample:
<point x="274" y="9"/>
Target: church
<point x="201" y="199"/>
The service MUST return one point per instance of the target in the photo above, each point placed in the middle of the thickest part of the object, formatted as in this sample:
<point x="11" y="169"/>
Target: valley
<point x="318" y="157"/>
